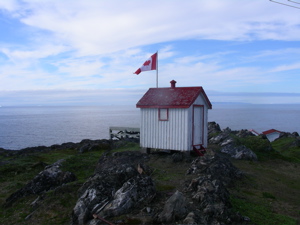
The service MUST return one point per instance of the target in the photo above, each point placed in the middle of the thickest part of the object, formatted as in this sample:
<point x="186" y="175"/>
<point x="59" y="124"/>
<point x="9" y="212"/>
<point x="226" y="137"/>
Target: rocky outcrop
<point x="213" y="200"/>
<point x="294" y="135"/>
<point x="82" y="146"/>
<point x="228" y="141"/>
<point x="175" y="208"/>
<point x="239" y="152"/>
<point x="244" y="133"/>
<point x="48" y="179"/>
<point x="120" y="184"/>
<point x="217" y="167"/>
<point x="213" y="128"/>
<point x="209" y="191"/>
<point x="205" y="200"/>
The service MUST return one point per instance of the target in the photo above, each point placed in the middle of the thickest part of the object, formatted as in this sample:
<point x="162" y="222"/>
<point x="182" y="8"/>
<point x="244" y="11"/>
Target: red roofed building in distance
<point x="174" y="118"/>
<point x="272" y="134"/>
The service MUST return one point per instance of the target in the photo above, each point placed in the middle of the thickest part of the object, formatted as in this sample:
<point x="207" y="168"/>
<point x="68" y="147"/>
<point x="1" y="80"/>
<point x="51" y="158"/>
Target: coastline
<point x="36" y="180"/>
<point x="23" y="127"/>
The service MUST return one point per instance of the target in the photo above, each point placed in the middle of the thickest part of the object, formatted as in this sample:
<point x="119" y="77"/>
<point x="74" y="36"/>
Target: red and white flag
<point x="150" y="64"/>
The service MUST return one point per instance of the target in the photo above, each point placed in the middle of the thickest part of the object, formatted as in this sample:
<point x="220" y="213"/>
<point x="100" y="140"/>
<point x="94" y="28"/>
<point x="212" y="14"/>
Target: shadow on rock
<point x="120" y="184"/>
<point x="50" y="178"/>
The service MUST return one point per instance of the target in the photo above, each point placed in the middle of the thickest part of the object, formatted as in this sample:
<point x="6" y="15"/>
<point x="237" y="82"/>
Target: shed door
<point x="198" y="124"/>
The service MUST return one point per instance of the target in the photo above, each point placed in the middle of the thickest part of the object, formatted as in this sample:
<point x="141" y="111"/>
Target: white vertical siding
<point x="149" y="126"/>
<point x="172" y="134"/>
<point x="190" y="128"/>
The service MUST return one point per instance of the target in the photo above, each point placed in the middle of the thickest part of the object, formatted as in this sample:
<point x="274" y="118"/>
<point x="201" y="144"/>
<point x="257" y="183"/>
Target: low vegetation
<point x="268" y="193"/>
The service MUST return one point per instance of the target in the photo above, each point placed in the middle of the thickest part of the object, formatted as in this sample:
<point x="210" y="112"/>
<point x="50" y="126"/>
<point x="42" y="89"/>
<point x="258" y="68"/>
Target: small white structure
<point x="272" y="134"/>
<point x="174" y="118"/>
<point x="254" y="132"/>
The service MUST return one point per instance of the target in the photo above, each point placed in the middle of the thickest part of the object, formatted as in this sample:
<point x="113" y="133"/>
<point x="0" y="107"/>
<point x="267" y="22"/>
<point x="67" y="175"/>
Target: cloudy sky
<point x="85" y="52"/>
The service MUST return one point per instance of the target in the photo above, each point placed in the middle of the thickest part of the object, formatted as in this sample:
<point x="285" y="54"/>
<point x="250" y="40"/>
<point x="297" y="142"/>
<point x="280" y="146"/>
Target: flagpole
<point x="156" y="69"/>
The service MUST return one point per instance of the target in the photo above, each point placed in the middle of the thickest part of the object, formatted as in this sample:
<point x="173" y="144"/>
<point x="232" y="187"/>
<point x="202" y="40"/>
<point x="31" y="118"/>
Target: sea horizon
<point x="30" y="126"/>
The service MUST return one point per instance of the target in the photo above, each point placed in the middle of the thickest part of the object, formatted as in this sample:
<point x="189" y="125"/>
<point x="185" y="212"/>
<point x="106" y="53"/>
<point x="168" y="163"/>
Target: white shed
<point x="174" y="118"/>
<point x="272" y="134"/>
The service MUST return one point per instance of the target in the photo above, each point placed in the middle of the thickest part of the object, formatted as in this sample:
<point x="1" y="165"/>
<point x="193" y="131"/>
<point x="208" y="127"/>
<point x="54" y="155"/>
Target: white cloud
<point x="71" y="97"/>
<point x="33" y="54"/>
<point x="286" y="67"/>
<point x="281" y="52"/>
<point x="99" y="44"/>
<point x="100" y="27"/>
<point x="9" y="5"/>
<point x="129" y="97"/>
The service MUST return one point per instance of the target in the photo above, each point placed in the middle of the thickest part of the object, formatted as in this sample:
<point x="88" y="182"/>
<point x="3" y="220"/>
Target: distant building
<point x="174" y="118"/>
<point x="254" y="132"/>
<point x="272" y="134"/>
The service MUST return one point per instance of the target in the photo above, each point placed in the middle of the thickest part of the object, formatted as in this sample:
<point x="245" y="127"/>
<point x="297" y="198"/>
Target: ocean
<point x="22" y="127"/>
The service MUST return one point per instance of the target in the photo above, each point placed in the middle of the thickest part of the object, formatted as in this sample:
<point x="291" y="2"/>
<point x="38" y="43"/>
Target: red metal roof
<point x="177" y="97"/>
<point x="271" y="131"/>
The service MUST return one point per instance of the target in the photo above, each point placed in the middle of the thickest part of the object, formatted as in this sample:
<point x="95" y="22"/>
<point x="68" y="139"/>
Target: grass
<point x="283" y="148"/>
<point x="260" y="212"/>
<point x="82" y="165"/>
<point x="269" y="193"/>
<point x="127" y="146"/>
<point x="57" y="204"/>
<point x="288" y="148"/>
<point x="168" y="175"/>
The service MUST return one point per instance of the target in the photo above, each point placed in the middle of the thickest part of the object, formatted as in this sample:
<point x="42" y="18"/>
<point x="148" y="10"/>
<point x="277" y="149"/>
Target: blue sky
<point x="85" y="52"/>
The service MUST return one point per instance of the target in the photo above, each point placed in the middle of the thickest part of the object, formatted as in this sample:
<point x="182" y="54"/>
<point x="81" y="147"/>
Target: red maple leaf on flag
<point x="147" y="63"/>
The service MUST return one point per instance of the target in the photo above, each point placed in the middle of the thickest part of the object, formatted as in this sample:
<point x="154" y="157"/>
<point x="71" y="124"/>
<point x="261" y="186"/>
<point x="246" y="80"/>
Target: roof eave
<point x="162" y="106"/>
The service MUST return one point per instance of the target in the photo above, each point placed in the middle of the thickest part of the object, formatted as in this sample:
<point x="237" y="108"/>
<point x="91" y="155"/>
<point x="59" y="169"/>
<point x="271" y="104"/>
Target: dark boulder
<point x="240" y="144"/>
<point x="238" y="152"/>
<point x="220" y="137"/>
<point x="87" y="145"/>
<point x="209" y="191"/>
<point x="213" y="199"/>
<point x="137" y="190"/>
<point x="288" y="135"/>
<point x="46" y="180"/>
<point x="217" y="167"/>
<point x="244" y="133"/>
<point x="120" y="184"/>
<point x="213" y="128"/>
<point x="175" y="209"/>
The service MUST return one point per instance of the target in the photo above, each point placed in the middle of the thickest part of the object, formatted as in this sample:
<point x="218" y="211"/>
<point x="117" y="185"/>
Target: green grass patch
<point x="126" y="146"/>
<point x="52" y="156"/>
<point x="268" y="195"/>
<point x="57" y="205"/>
<point x="283" y="148"/>
<point x="164" y="187"/>
<point x="162" y="175"/>
<point x="260" y="213"/>
<point x="288" y="147"/>
<point x="256" y="143"/>
<point x="82" y="165"/>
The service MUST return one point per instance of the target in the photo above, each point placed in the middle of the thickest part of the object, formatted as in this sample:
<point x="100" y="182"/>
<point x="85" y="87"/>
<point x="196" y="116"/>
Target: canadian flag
<point x="150" y="64"/>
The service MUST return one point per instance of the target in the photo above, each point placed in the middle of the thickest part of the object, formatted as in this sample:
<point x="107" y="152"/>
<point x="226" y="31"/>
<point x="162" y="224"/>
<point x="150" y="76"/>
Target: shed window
<point x="163" y="114"/>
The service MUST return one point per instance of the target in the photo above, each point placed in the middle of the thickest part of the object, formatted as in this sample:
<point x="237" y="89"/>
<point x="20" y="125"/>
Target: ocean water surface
<point x="22" y="127"/>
